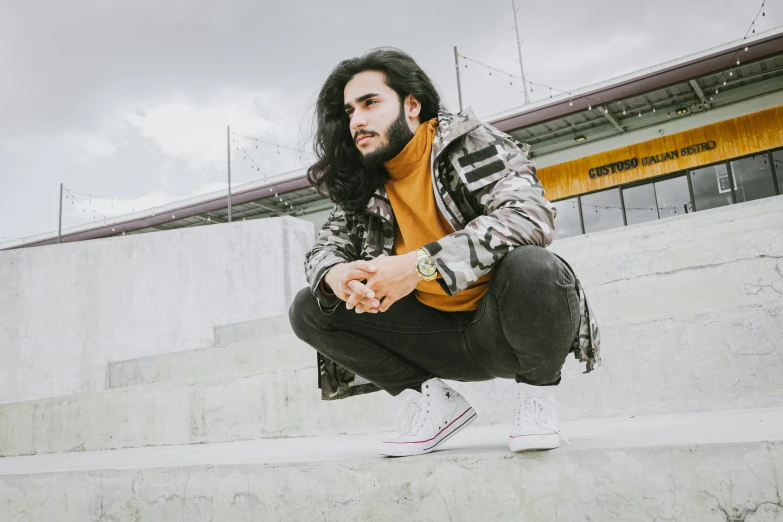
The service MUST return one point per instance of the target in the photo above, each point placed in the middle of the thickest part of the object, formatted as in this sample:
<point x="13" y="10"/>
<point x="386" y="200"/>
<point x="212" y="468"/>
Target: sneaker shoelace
<point x="530" y="408"/>
<point x="412" y="416"/>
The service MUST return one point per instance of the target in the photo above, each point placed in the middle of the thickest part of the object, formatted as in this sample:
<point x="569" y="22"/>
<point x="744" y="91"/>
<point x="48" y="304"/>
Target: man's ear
<point x="412" y="106"/>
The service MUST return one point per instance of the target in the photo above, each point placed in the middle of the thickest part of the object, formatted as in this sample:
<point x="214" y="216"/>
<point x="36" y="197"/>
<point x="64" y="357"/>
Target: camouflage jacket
<point x="487" y="189"/>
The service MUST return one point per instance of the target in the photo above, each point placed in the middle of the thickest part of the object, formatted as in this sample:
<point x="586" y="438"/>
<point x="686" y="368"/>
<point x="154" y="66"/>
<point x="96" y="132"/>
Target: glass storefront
<point x="673" y="196"/>
<point x="753" y="178"/>
<point x="726" y="183"/>
<point x="711" y="187"/>
<point x="567" y="223"/>
<point x="640" y="204"/>
<point x="777" y="164"/>
<point x="602" y="210"/>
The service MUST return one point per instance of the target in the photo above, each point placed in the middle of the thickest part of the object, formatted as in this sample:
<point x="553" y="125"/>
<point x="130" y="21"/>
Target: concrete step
<point x="719" y="358"/>
<point x="256" y="329"/>
<point x="238" y="359"/>
<point x="697" y="467"/>
<point x="754" y="281"/>
<point x="282" y="404"/>
<point x="751" y="225"/>
<point x="696" y="361"/>
<point x="720" y="257"/>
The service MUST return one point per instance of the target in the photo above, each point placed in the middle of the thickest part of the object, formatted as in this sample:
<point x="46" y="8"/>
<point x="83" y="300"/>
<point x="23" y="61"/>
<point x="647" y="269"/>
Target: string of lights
<point x="247" y="155"/>
<point x="70" y="196"/>
<point x="736" y="56"/>
<point x="257" y="168"/>
<point x="87" y="195"/>
<point x="265" y="142"/>
<point x="651" y="209"/>
<point x="513" y="76"/>
<point x="721" y="79"/>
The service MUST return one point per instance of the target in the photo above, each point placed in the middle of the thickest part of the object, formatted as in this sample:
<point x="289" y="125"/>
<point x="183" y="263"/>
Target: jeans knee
<point x="534" y="266"/>
<point x="302" y="313"/>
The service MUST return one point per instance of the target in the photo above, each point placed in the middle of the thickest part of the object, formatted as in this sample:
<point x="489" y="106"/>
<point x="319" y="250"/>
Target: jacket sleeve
<point x="333" y="246"/>
<point x="502" y="182"/>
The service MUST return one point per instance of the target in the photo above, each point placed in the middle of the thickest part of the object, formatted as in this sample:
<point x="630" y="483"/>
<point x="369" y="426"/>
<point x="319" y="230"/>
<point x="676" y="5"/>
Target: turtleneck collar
<point x="415" y="152"/>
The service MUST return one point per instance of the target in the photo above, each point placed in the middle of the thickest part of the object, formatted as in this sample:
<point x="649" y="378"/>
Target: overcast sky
<point x="130" y="100"/>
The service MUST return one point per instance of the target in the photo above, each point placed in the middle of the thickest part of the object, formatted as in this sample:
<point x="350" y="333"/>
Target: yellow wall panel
<point x="738" y="137"/>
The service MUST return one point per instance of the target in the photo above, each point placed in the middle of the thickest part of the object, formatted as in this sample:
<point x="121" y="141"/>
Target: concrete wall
<point x="67" y="310"/>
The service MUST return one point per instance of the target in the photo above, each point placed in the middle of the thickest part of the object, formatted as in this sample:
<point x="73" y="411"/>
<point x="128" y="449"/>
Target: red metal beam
<point x="210" y="205"/>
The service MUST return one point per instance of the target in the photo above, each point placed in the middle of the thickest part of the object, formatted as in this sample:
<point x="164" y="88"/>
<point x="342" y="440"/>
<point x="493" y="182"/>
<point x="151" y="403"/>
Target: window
<point x="711" y="187"/>
<point x="640" y="204"/>
<point x="567" y="222"/>
<point x="753" y="178"/>
<point x="673" y="197"/>
<point x="777" y="157"/>
<point x="602" y="210"/>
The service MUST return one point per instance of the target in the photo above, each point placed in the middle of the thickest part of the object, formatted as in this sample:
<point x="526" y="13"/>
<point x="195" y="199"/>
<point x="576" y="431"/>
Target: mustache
<point x="361" y="133"/>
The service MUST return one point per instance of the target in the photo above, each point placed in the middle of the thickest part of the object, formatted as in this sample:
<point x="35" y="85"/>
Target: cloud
<point x="195" y="131"/>
<point x="99" y="146"/>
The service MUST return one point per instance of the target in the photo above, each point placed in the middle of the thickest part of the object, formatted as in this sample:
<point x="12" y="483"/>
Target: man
<point x="432" y="264"/>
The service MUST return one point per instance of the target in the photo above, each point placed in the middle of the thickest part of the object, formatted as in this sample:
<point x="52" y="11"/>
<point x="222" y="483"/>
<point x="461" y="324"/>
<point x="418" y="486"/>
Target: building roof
<point x="613" y="107"/>
<point x="594" y="112"/>
<point x="286" y="194"/>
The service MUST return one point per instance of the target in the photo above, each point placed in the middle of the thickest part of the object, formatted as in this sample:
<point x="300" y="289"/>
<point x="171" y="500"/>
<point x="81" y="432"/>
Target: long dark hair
<point x="338" y="172"/>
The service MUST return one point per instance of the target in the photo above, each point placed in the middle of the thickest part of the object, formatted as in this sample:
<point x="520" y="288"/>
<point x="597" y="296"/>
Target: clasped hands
<point x="387" y="279"/>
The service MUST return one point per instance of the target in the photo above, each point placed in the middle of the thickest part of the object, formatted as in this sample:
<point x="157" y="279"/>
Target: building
<point x="698" y="132"/>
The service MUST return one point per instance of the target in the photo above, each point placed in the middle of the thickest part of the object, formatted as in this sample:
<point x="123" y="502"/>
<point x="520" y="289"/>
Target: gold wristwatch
<point x="425" y="267"/>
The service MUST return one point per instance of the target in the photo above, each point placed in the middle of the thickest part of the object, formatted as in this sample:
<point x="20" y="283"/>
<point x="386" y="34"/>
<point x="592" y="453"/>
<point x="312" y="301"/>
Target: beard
<point x="399" y="135"/>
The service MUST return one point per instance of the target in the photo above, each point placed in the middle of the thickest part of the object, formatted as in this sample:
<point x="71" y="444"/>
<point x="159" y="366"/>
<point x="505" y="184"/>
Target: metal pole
<point x="459" y="85"/>
<point x="60" y="226"/>
<point x="228" y="143"/>
<point x="519" y="50"/>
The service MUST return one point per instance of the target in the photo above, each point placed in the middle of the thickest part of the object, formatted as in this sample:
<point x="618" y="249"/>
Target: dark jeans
<point x="523" y="329"/>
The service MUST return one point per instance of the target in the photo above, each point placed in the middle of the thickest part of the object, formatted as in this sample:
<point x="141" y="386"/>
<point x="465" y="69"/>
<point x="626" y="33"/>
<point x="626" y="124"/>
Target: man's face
<point x="380" y="125"/>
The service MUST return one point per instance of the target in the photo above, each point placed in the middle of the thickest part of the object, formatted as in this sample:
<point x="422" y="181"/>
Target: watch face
<point x="427" y="267"/>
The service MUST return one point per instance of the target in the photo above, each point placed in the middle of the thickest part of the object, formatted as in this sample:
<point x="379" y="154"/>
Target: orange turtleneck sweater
<point x="419" y="221"/>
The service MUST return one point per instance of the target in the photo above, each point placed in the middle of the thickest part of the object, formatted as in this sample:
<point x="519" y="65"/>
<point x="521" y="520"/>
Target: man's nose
<point x="358" y="122"/>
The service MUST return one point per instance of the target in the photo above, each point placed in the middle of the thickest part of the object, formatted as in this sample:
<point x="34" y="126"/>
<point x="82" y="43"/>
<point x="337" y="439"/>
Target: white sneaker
<point x="536" y="425"/>
<point x="438" y="414"/>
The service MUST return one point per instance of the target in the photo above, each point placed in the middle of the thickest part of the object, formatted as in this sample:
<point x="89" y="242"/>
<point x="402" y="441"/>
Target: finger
<point x="355" y="299"/>
<point x="368" y="305"/>
<point x="352" y="301"/>
<point x="360" y="289"/>
<point x="386" y="304"/>
<point x="366" y="266"/>
<point x="354" y="275"/>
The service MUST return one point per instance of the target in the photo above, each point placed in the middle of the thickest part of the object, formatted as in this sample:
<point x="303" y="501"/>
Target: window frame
<point x="676" y="174"/>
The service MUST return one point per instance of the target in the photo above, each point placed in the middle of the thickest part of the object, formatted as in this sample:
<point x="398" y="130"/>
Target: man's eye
<point x="370" y="101"/>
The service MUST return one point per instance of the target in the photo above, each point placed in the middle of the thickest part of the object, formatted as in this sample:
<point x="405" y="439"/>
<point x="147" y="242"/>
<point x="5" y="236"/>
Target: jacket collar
<point x="450" y="128"/>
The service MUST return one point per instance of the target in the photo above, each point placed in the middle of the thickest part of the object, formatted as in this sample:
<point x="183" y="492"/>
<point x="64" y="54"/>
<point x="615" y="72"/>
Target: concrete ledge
<point x="771" y="207"/>
<point x="718" y="358"/>
<point x="723" y="466"/>
<point x="283" y="404"/>
<point x="752" y="281"/>
<point x="239" y="359"/>
<point x="705" y="360"/>
<point x="67" y="310"/>
<point x="272" y="326"/>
